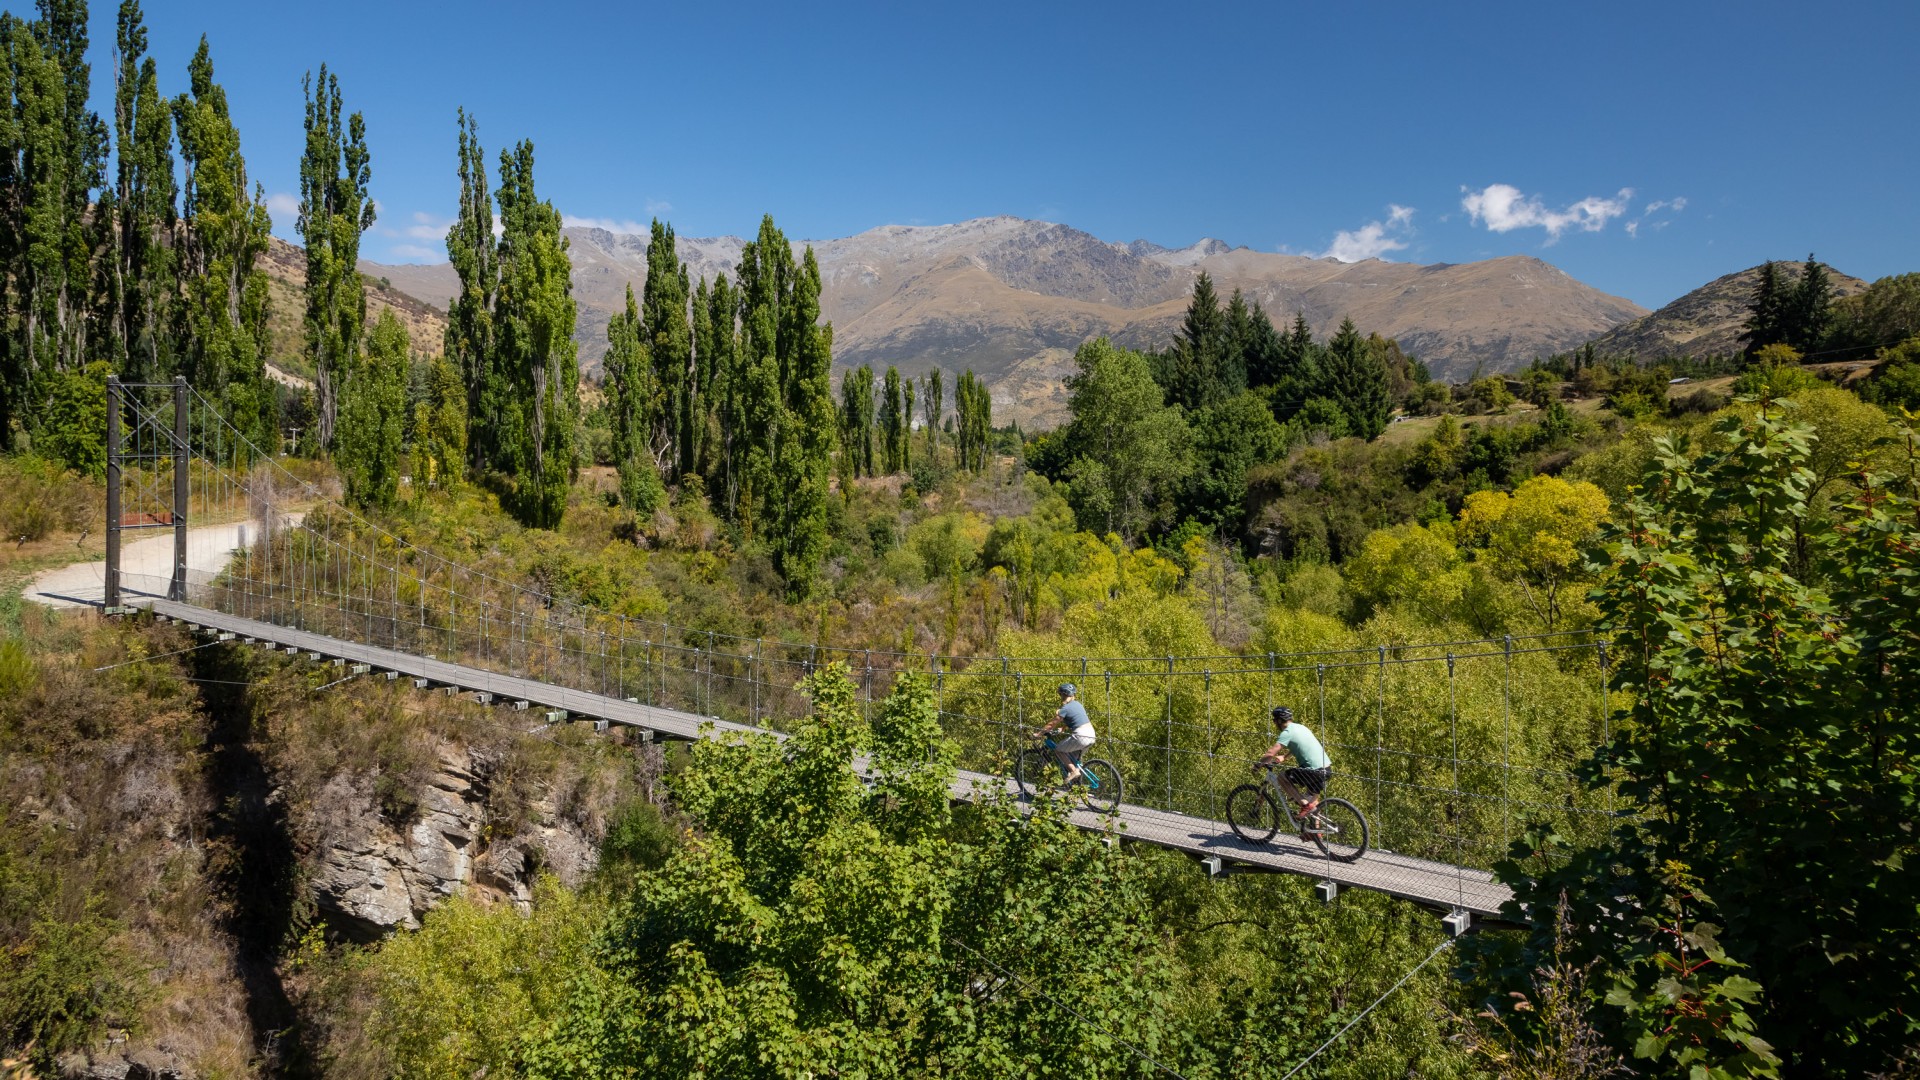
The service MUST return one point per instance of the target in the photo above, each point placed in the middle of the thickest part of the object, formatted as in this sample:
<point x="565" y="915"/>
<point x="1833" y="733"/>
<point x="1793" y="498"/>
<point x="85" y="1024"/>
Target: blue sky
<point x="1643" y="148"/>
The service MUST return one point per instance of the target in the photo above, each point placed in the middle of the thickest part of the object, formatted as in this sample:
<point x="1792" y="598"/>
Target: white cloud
<point x="622" y="225"/>
<point x="1372" y="240"/>
<point x="281" y="204"/>
<point x="656" y="207"/>
<point x="418" y="253"/>
<point x="1673" y="206"/>
<point x="1503" y="208"/>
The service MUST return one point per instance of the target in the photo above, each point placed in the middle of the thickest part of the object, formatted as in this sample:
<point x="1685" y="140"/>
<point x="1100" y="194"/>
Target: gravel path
<point x="146" y="564"/>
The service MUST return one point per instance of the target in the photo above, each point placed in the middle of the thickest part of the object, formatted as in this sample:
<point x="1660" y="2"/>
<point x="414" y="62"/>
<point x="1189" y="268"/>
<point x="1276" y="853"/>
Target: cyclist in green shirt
<point x="1306" y="779"/>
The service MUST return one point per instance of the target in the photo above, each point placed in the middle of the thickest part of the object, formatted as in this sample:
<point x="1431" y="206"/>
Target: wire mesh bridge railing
<point x="1451" y="748"/>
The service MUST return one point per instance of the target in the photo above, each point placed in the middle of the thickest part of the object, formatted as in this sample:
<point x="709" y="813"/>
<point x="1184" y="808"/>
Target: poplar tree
<point x="856" y="421"/>
<point x="932" y="404"/>
<point x="469" y="335"/>
<point x="373" y="406"/>
<point x="891" y="420"/>
<point x="669" y="340"/>
<point x="77" y="138"/>
<point x="972" y="421"/>
<point x="906" y="425"/>
<point x="722" y="392"/>
<point x="223" y="323"/>
<point x="786" y="406"/>
<point x="630" y="403"/>
<point x="534" y="319"/>
<point x="140" y="209"/>
<point x="440" y="427"/>
<point x="334" y="210"/>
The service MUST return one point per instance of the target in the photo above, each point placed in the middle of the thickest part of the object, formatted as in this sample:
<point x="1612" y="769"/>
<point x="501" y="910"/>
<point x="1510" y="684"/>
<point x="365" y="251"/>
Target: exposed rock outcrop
<point x="372" y="876"/>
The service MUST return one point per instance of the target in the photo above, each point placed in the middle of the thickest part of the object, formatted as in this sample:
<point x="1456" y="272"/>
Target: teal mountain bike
<point x="1097" y="787"/>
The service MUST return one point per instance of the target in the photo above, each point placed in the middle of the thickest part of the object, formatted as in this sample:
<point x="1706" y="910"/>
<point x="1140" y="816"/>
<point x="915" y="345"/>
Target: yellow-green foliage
<point x="468" y="992"/>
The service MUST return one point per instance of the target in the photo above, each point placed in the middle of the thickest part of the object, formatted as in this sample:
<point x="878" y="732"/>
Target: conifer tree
<point x="534" y="322"/>
<point x="335" y="208"/>
<point x="223" y="323"/>
<point x="631" y="401"/>
<point x="1767" y="313"/>
<point x="469" y="336"/>
<point x="973" y="421"/>
<point x="1810" y="308"/>
<point x="1194" y="368"/>
<point x="1354" y="379"/>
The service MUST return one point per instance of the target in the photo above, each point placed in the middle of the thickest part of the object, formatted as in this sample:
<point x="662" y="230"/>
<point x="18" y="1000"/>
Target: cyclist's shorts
<point x="1311" y="781"/>
<point x="1071" y="746"/>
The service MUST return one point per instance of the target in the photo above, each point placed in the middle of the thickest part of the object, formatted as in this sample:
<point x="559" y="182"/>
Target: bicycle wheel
<point x="1340" y="829"/>
<point x="1251" y="813"/>
<point x="1035" y="770"/>
<point x="1103" y="794"/>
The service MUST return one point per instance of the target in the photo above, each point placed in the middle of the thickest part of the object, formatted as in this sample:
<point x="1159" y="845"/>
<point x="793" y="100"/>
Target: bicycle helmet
<point x="1067" y="689"/>
<point x="1282" y="715"/>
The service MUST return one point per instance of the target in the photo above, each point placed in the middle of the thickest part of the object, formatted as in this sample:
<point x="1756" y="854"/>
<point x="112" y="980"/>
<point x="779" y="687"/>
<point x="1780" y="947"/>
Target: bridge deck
<point x="1432" y="884"/>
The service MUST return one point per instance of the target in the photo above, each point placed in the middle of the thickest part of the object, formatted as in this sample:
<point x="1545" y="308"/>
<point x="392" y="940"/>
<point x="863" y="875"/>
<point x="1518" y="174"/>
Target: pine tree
<point x="1354" y="379"/>
<point x="631" y="402"/>
<point x="1263" y="351"/>
<point x="224" y="309"/>
<point x="1194" y="367"/>
<point x="372" y="411"/>
<point x="1767" y="314"/>
<point x="335" y="208"/>
<point x="1237" y="340"/>
<point x="469" y="336"/>
<point x="534" y="322"/>
<point x="1810" y="308"/>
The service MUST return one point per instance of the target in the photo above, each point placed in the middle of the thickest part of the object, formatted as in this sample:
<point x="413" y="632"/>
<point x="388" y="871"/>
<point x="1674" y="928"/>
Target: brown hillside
<point x="286" y="267"/>
<point x="1707" y="321"/>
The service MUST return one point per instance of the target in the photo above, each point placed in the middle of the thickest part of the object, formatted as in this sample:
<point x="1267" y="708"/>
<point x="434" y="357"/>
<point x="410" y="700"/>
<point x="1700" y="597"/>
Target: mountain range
<point x="1012" y="298"/>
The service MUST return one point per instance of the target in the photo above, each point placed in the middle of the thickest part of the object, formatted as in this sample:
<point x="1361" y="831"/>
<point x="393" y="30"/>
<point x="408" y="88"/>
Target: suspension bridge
<point x="1450" y="748"/>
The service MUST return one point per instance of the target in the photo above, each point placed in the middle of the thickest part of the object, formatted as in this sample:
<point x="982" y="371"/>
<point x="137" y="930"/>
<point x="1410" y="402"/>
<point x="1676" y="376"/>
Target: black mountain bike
<point x="1256" y="811"/>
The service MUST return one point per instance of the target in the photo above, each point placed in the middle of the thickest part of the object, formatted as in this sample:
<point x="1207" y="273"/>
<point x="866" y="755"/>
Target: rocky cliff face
<point x="371" y="876"/>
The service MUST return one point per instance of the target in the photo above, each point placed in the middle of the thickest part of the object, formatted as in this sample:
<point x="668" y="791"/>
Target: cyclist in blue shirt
<point x="1070" y="718"/>
<point x="1308" y="777"/>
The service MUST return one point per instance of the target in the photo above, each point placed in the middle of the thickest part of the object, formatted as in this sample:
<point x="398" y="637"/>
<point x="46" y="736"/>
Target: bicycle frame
<point x="1093" y="782"/>
<point x="1280" y="796"/>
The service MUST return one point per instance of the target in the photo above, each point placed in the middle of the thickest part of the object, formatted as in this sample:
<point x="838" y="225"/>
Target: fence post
<point x="177" y="588"/>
